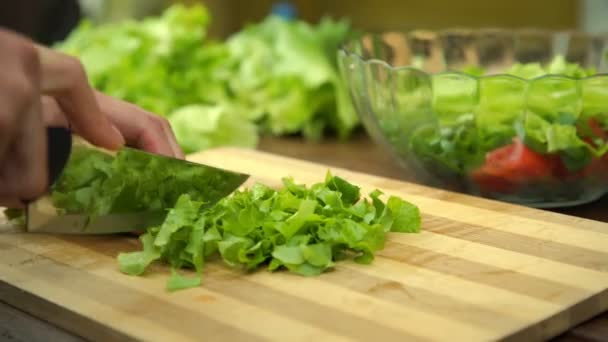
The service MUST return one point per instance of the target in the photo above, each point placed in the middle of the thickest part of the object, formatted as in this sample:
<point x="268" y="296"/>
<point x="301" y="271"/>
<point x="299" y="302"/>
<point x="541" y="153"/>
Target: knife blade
<point x="42" y="216"/>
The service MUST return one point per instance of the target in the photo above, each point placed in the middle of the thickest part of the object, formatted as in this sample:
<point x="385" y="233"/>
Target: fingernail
<point x="178" y="152"/>
<point x="120" y="140"/>
<point x="174" y="145"/>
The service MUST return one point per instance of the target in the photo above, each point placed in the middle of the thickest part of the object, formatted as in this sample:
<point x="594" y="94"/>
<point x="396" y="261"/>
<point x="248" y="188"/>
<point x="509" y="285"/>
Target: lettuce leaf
<point x="557" y="138"/>
<point x="199" y="127"/>
<point x="286" y="72"/>
<point x="279" y="75"/>
<point x="156" y="63"/>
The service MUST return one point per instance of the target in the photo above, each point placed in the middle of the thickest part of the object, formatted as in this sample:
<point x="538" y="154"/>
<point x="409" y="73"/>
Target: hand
<point x="41" y="85"/>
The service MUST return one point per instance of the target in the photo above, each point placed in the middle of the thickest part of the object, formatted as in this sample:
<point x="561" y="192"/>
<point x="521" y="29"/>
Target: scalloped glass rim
<point x="345" y="48"/>
<point x="454" y="72"/>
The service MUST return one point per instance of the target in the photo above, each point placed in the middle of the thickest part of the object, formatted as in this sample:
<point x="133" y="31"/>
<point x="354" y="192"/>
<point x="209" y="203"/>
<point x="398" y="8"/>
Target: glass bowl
<point x="518" y="116"/>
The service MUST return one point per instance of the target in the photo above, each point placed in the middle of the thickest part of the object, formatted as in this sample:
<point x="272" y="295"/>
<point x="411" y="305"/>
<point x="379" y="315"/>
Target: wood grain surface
<point x="480" y="270"/>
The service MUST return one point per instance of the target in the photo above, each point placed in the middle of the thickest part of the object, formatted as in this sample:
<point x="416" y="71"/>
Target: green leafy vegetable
<point x="557" y="66"/>
<point x="200" y="127"/>
<point x="305" y="230"/>
<point x="551" y="138"/>
<point x="278" y="75"/>
<point x="404" y="216"/>
<point x="179" y="240"/>
<point x="158" y="63"/>
<point x="477" y="115"/>
<point x="302" y="229"/>
<point x="137" y="262"/>
<point x="15" y="216"/>
<point x="96" y="183"/>
<point x="285" y="73"/>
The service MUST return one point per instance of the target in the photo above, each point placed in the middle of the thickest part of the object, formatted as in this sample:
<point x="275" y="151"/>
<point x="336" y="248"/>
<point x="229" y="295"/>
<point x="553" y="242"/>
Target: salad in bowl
<point x="518" y="116"/>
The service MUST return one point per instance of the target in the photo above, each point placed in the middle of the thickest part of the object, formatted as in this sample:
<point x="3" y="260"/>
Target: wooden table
<point x="358" y="154"/>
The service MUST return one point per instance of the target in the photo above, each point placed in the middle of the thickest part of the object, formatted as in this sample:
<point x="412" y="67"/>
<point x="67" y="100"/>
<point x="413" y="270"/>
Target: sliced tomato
<point x="492" y="183"/>
<point x="513" y="165"/>
<point x="597" y="129"/>
<point x="508" y="168"/>
<point x="598" y="167"/>
<point x="592" y="132"/>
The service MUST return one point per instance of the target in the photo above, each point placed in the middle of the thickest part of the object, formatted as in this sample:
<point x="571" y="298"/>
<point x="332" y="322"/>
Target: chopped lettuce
<point x="533" y="102"/>
<point x="15" y="216"/>
<point x="558" y="138"/>
<point x="302" y="229"/>
<point x="452" y="149"/>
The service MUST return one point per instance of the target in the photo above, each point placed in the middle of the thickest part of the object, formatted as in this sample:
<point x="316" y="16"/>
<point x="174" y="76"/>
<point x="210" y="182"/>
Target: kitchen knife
<point x="43" y="217"/>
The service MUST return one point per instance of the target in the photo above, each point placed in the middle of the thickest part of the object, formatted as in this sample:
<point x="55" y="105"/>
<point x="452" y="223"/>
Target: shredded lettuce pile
<point x="274" y="77"/>
<point x="302" y="229"/>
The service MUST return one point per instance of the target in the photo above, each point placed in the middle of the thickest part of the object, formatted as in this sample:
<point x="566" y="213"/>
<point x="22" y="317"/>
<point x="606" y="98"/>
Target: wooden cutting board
<point x="480" y="270"/>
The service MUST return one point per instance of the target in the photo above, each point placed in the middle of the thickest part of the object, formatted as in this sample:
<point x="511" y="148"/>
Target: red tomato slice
<point x="598" y="166"/>
<point x="596" y="132"/>
<point x="596" y="169"/>
<point x="508" y="168"/>
<point x="596" y="128"/>
<point x="514" y="165"/>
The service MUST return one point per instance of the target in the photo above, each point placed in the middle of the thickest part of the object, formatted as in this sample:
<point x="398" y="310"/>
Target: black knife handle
<point x="59" y="148"/>
<point x="59" y="142"/>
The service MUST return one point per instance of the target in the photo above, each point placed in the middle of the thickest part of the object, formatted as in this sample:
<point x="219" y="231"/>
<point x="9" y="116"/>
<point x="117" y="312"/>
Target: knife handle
<point x="59" y="142"/>
<point x="59" y="148"/>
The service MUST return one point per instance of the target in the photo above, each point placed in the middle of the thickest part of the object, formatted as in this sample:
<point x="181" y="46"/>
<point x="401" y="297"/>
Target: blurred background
<point x="381" y="15"/>
<point x="262" y="80"/>
<point x="49" y="20"/>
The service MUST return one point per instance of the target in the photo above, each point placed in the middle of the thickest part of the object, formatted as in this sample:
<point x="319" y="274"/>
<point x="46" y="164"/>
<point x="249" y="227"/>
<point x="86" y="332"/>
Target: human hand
<point x="41" y="86"/>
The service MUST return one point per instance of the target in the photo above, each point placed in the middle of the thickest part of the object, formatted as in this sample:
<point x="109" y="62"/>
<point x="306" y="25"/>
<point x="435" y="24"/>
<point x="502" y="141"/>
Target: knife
<point x="43" y="217"/>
